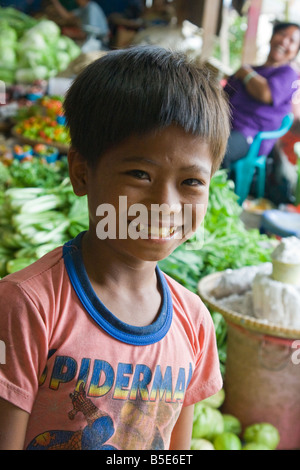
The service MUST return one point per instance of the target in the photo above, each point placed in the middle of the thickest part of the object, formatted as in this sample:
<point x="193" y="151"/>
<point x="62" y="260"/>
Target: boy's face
<point x="155" y="189"/>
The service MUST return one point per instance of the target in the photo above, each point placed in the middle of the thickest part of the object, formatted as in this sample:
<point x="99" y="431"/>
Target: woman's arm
<point x="182" y="431"/>
<point x="62" y="11"/>
<point x="257" y="86"/>
<point x="13" y="425"/>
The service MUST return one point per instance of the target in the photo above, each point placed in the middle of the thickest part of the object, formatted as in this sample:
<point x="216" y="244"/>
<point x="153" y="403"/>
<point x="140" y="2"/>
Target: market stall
<point x="39" y="212"/>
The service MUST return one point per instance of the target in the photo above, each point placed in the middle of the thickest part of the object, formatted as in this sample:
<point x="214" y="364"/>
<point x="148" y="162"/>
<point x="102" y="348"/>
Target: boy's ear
<point x="77" y="172"/>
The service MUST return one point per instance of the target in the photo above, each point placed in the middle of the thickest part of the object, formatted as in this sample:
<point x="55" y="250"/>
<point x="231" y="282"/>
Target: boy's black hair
<point x="140" y="90"/>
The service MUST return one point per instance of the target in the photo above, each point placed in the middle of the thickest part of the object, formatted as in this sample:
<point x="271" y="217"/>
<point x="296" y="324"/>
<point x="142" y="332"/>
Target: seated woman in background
<point x="261" y="96"/>
<point x="88" y="14"/>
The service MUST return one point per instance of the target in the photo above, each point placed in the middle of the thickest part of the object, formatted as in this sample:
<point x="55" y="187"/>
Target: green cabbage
<point x="62" y="60"/>
<point x="33" y="40"/>
<point x="7" y="75"/>
<point x="8" y="56"/>
<point x="49" y="30"/>
<point x="68" y="45"/>
<point x="28" y="75"/>
<point x="7" y="33"/>
<point x="33" y="50"/>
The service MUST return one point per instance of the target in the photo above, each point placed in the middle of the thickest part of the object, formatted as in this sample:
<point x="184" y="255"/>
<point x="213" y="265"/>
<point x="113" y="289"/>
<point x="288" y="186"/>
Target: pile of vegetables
<point x="52" y="104"/>
<point x="43" y="128"/>
<point x="32" y="49"/>
<point x="214" y="430"/>
<point x="42" y="219"/>
<point x="38" y="211"/>
<point x="33" y="173"/>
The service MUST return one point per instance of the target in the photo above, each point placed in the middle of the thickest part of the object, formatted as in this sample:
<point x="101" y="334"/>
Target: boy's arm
<point x="13" y="425"/>
<point x="182" y="431"/>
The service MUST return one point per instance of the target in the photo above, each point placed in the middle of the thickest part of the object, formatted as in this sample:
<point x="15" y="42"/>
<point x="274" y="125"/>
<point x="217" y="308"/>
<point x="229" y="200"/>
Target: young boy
<point x="104" y="351"/>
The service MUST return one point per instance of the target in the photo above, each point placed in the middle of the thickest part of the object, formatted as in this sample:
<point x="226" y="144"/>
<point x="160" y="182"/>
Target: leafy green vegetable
<point x="66" y="44"/>
<point x="221" y="337"/>
<point x="7" y="74"/>
<point x="8" y="55"/>
<point x="17" y="20"/>
<point x="29" y="75"/>
<point x="32" y="39"/>
<point x="32" y="49"/>
<point x="4" y="176"/>
<point x="41" y="210"/>
<point x="14" y="265"/>
<point x="35" y="173"/>
<point x="46" y="28"/>
<point x="7" y="33"/>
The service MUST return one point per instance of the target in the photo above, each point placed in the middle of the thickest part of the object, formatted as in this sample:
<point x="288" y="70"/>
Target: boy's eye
<point x="139" y="174"/>
<point x="193" y="182"/>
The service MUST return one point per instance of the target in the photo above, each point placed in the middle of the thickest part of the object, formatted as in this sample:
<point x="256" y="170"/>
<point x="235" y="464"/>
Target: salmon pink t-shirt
<point x="88" y="380"/>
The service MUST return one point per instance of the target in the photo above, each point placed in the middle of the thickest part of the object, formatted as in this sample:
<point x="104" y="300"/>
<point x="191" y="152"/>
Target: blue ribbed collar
<point x="102" y="316"/>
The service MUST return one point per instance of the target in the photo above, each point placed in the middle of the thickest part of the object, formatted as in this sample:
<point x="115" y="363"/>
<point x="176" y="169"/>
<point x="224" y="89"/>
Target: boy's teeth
<point x="161" y="232"/>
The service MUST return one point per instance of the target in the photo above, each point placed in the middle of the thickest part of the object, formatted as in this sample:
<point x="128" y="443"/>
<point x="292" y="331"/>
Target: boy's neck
<point x="107" y="265"/>
<point x="129" y="289"/>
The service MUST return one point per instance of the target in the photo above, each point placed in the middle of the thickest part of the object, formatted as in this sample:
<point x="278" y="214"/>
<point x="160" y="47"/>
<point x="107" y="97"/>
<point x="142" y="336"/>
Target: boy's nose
<point x="169" y="200"/>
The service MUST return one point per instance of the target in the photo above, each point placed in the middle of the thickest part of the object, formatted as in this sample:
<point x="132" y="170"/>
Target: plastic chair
<point x="244" y="168"/>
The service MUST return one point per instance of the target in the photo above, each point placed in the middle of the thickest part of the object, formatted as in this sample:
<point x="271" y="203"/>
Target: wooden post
<point x="191" y="10"/>
<point x="224" y="38"/>
<point x="210" y="23"/>
<point x="250" y="47"/>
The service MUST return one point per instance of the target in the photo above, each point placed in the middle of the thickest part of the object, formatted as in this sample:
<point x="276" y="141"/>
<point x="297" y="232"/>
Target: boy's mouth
<point x="154" y="232"/>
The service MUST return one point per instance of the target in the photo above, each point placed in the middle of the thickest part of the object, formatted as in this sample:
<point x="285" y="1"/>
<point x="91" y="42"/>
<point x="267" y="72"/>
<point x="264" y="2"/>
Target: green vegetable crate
<point x="262" y="377"/>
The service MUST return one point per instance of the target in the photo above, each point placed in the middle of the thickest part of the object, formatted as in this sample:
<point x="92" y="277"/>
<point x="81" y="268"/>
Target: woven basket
<point x="262" y="381"/>
<point x="206" y="286"/>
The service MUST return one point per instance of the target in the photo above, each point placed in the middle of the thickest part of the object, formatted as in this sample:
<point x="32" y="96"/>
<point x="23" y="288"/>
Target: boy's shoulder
<point x="43" y="267"/>
<point x="192" y="314"/>
<point x="189" y="301"/>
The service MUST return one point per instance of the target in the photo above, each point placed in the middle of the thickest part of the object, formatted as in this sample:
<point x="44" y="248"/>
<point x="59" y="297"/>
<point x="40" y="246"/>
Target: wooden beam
<point x="191" y="10"/>
<point x="250" y="46"/>
<point x="210" y="25"/>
